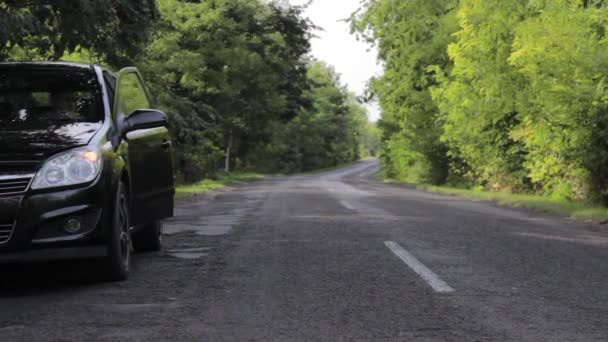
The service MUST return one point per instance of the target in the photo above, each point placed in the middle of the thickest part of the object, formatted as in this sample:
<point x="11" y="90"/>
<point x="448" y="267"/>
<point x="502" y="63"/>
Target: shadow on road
<point x="40" y="278"/>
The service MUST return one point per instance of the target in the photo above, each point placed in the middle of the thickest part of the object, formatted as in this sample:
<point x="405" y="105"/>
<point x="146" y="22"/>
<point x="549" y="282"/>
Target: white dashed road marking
<point x="429" y="276"/>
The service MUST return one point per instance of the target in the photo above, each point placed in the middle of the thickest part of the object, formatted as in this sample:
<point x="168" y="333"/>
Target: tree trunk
<point x="228" y="151"/>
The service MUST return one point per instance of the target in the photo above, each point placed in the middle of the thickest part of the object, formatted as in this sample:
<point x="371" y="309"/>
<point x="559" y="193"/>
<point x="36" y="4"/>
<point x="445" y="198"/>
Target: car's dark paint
<point x="139" y="158"/>
<point x="149" y="158"/>
<point x="145" y="119"/>
<point x="46" y="142"/>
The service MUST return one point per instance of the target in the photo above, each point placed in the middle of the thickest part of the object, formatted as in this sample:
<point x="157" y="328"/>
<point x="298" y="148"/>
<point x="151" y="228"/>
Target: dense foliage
<point x="326" y="134"/>
<point x="114" y="29"/>
<point x="507" y="95"/>
<point x="234" y="75"/>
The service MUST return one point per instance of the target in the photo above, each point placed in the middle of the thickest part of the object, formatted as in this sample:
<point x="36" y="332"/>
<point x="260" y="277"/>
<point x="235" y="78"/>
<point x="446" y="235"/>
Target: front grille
<point x="5" y="232"/>
<point x="14" y="185"/>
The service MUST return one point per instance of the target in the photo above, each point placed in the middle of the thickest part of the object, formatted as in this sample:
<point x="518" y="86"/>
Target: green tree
<point x="327" y="134"/>
<point x="239" y="63"/>
<point x="412" y="37"/>
<point x="511" y="93"/>
<point x="114" y="29"/>
<point x="563" y="54"/>
<point x="370" y="140"/>
<point x="481" y="97"/>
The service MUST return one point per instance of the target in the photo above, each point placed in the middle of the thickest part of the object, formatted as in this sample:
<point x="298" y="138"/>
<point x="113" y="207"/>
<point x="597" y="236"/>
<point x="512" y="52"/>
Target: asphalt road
<point x="333" y="256"/>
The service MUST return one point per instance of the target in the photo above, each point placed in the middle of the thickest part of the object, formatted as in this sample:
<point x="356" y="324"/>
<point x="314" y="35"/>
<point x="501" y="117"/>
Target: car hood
<point x="37" y="144"/>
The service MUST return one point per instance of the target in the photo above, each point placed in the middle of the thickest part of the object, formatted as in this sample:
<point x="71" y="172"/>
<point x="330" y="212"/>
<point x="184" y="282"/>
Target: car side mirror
<point x="145" y="119"/>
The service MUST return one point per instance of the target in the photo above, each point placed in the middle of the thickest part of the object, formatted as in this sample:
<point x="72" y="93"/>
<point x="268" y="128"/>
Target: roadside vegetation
<point x="508" y="97"/>
<point x="219" y="182"/>
<point x="576" y="209"/>
<point x="235" y="77"/>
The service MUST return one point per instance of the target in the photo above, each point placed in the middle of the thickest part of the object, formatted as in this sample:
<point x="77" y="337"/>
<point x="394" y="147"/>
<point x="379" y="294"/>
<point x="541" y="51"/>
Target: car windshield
<point x="34" y="98"/>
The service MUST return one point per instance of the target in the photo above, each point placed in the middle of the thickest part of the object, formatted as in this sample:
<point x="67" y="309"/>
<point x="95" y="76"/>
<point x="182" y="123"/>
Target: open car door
<point x="149" y="153"/>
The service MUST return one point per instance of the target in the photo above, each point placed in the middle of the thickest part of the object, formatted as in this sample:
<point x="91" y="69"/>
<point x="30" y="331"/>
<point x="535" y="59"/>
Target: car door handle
<point x="166" y="145"/>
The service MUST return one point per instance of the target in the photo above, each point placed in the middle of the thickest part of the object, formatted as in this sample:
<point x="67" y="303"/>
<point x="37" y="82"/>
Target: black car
<point x="86" y="166"/>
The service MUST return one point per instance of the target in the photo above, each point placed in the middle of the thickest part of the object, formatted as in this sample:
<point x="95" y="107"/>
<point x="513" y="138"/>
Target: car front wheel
<point x="118" y="261"/>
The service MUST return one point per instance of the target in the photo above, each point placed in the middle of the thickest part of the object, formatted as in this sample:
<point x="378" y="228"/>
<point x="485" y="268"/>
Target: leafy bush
<point x="509" y="95"/>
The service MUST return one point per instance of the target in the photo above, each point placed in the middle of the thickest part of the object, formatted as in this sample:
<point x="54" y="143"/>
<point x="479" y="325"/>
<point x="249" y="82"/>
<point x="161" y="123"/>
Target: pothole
<point x="189" y="253"/>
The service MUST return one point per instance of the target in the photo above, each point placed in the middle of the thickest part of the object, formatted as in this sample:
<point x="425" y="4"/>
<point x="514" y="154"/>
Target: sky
<point x="354" y="60"/>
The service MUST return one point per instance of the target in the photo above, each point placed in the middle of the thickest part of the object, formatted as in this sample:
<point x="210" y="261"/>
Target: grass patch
<point x="207" y="185"/>
<point x="574" y="209"/>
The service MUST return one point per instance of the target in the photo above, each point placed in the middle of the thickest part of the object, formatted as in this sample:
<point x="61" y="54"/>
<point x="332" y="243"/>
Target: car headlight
<point x="77" y="166"/>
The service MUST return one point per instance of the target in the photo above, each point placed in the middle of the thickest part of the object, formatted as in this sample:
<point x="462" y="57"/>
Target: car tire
<point x="118" y="262"/>
<point x="149" y="238"/>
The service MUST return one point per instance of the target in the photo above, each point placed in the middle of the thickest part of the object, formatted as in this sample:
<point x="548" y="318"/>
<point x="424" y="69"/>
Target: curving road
<point x="332" y="256"/>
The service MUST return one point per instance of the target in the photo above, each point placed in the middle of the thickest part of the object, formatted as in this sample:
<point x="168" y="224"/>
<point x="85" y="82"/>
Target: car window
<point x="38" y="98"/>
<point x="131" y="94"/>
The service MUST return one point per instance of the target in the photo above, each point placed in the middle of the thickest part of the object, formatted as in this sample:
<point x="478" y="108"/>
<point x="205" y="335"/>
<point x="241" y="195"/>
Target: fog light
<point x="72" y="226"/>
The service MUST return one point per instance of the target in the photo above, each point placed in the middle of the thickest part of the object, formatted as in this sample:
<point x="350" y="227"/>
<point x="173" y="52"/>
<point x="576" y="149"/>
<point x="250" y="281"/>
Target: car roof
<point x="51" y="65"/>
<point x="47" y="63"/>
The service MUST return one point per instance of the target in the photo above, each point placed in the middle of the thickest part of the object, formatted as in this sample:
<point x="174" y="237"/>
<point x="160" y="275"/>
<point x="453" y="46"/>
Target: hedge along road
<point x="333" y="256"/>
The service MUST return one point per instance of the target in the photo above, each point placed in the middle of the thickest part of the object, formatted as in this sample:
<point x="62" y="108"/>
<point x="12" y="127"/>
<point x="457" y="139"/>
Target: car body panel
<point x="151" y="166"/>
<point x="46" y="142"/>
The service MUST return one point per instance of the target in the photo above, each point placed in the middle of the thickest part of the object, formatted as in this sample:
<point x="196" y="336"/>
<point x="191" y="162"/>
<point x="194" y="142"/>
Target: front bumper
<point x="39" y="218"/>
